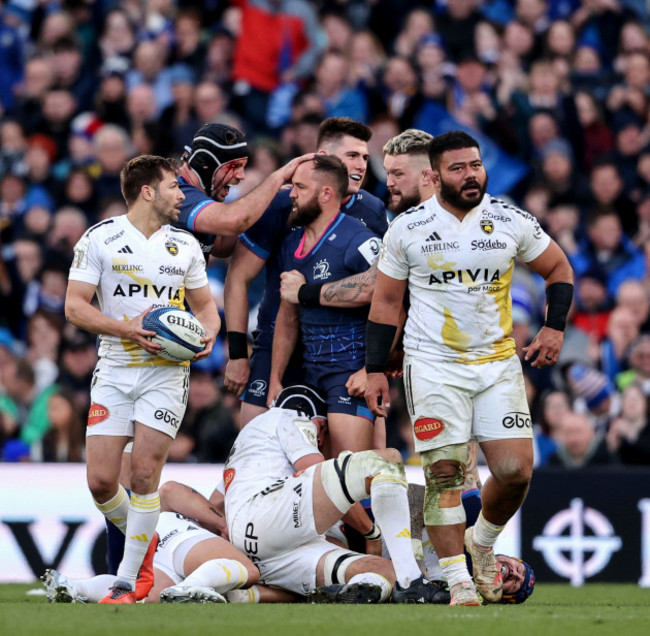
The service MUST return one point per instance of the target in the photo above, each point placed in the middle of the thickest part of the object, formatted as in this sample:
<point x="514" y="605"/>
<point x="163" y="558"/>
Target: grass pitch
<point x="553" y="610"/>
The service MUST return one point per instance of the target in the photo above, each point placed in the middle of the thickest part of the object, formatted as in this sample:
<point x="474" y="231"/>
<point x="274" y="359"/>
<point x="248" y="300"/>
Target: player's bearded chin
<point x="404" y="202"/>
<point x="458" y="199"/>
<point x="306" y="214"/>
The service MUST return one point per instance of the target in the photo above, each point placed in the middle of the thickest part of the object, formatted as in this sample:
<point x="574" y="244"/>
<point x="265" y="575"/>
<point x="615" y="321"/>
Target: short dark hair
<point x="334" y="128"/>
<point x="143" y="170"/>
<point x="333" y="168"/>
<point x="452" y="140"/>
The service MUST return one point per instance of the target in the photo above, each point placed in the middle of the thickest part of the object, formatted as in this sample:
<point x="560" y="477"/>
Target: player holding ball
<point x="135" y="263"/>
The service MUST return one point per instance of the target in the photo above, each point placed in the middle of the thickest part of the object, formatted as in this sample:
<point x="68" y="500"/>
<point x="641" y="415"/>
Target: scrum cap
<point x="302" y="398"/>
<point x="213" y="146"/>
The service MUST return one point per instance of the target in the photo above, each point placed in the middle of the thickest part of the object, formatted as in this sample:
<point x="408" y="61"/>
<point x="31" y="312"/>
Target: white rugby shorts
<point x="277" y="531"/>
<point x="453" y="403"/>
<point x="153" y="396"/>
<point x="174" y="546"/>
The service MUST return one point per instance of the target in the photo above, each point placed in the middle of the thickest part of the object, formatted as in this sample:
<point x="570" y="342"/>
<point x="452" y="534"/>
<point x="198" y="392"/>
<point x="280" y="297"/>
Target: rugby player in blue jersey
<point x="328" y="245"/>
<point x="260" y="246"/>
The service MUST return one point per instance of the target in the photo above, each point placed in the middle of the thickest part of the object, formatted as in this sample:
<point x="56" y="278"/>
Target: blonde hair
<point x="411" y="142"/>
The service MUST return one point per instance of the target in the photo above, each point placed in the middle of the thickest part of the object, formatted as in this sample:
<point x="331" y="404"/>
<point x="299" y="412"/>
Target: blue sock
<point x="114" y="545"/>
<point x="472" y="504"/>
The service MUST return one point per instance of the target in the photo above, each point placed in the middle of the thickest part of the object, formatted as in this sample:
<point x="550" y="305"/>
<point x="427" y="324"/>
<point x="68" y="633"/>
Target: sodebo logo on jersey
<point x="488" y="244"/>
<point x="415" y="224"/>
<point x="516" y="419"/>
<point x="172" y="270"/>
<point x="167" y="416"/>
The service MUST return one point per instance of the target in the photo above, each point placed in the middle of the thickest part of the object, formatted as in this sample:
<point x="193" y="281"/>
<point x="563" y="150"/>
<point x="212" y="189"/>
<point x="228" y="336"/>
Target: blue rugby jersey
<point x="195" y="201"/>
<point x="333" y="336"/>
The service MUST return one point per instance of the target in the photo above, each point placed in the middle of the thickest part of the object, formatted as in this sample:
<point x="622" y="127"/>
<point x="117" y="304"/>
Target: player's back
<point x="265" y="452"/>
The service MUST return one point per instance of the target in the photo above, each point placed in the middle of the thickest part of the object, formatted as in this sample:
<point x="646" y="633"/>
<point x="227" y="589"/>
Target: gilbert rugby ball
<point x="178" y="332"/>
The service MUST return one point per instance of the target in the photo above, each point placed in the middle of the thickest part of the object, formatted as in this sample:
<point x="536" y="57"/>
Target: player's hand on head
<point x="546" y="345"/>
<point x="237" y="374"/>
<point x="288" y="169"/>
<point x="290" y="284"/>
<point x="356" y="384"/>
<point x="377" y="394"/>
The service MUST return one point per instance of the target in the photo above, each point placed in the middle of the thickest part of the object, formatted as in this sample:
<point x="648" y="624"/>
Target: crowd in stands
<point x="562" y="87"/>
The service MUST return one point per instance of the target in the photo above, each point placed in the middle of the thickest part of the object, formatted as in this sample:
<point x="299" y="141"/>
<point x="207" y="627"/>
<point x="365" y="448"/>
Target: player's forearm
<point x="87" y="317"/>
<point x="353" y="291"/>
<point x="236" y="306"/>
<point x="177" y="497"/>
<point x="358" y="518"/>
<point x="285" y="338"/>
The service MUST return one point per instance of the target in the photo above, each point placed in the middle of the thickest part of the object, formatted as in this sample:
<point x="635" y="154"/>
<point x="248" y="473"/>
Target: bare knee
<point x="513" y="473"/>
<point x="102" y="488"/>
<point x="143" y="479"/>
<point x="390" y="454"/>
<point x="375" y="564"/>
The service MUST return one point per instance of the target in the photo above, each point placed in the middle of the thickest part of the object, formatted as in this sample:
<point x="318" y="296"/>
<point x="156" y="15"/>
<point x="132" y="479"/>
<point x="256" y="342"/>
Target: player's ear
<point x="147" y="192"/>
<point x="427" y="176"/>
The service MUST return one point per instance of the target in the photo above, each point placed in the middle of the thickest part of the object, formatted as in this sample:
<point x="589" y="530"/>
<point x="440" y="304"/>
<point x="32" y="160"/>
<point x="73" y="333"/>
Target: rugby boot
<point x="487" y="574"/>
<point x="121" y="593"/>
<point x="144" y="582"/>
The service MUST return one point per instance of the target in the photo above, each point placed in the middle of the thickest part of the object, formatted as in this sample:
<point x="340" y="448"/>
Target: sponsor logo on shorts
<point x="257" y="388"/>
<point x="250" y="543"/>
<point x="166" y="538"/>
<point x="427" y="428"/>
<point x="344" y="399"/>
<point x="97" y="413"/>
<point x="167" y="416"/>
<point x="228" y="476"/>
<point x="516" y="419"/>
<point x="296" y="514"/>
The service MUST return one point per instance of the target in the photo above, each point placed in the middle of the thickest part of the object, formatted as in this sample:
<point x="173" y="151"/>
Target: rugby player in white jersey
<point x="133" y="263"/>
<point x="455" y="255"/>
<point x="192" y="563"/>
<point x="281" y="498"/>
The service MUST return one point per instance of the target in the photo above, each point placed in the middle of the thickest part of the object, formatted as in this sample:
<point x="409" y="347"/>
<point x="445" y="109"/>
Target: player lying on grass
<point x="281" y="497"/>
<point x="191" y="564"/>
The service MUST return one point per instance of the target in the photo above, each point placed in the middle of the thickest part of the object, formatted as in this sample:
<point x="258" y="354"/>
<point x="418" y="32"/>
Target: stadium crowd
<point x="559" y="89"/>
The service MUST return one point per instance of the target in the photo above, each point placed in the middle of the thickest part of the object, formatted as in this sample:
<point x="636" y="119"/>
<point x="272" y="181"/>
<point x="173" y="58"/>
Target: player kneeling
<point x="281" y="498"/>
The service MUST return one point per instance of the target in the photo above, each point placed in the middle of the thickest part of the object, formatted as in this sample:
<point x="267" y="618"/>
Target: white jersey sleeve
<point x="393" y="258"/>
<point x="86" y="265"/>
<point x="532" y="240"/>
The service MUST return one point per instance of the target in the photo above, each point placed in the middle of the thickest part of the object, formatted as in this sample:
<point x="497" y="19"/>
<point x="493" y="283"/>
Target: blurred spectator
<point x="579" y="445"/>
<point x="179" y="121"/>
<point x="208" y="429"/>
<point x="639" y="372"/>
<point x="456" y="23"/>
<point x="188" y="49"/>
<point x="418" y="24"/>
<point x="629" y="433"/>
<point x="632" y="295"/>
<point x="553" y="406"/>
<point x="593" y="388"/>
<point x="149" y="69"/>
<point x="608" y="191"/>
<point x="608" y="249"/>
<point x="113" y="148"/>
<point x="592" y="304"/>
<point x="77" y="362"/>
<point x="11" y="59"/>
<point x="44" y="330"/>
<point x="597" y="138"/>
<point x="13" y="146"/>
<point x="68" y="226"/>
<point x="70" y="72"/>
<point x="622" y="329"/>
<point x="118" y="35"/>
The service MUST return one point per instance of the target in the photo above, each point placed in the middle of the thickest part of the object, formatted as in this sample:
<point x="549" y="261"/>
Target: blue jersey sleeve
<point x="362" y="251"/>
<point x="265" y="237"/>
<point x="368" y="209"/>
<point x="195" y="201"/>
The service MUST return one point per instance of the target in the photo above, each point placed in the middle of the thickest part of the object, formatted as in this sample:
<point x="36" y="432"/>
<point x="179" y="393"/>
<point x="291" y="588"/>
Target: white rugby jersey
<point x="459" y="276"/>
<point x="133" y="273"/>
<point x="264" y="453"/>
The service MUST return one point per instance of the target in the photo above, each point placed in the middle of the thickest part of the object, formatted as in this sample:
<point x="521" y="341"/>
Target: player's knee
<point x="143" y="479"/>
<point x="515" y="473"/>
<point x="446" y="474"/>
<point x="375" y="564"/>
<point x="102" y="488"/>
<point x="391" y="455"/>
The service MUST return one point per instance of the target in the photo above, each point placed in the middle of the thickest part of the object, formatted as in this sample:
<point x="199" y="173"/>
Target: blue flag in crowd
<point x="504" y="171"/>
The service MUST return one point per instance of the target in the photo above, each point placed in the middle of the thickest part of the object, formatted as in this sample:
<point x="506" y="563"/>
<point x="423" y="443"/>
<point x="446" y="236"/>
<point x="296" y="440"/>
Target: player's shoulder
<point x="183" y="236"/>
<point x="418" y="215"/>
<point x="497" y="209"/>
<point x="370" y="201"/>
<point x="108" y="230"/>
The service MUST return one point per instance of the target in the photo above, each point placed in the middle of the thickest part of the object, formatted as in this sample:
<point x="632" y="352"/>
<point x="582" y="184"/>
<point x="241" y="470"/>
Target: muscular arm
<point x="202" y="304"/>
<point x="80" y="311"/>
<point x="244" y="267"/>
<point x="554" y="267"/>
<point x="284" y="342"/>
<point x="177" y="497"/>
<point x="231" y="219"/>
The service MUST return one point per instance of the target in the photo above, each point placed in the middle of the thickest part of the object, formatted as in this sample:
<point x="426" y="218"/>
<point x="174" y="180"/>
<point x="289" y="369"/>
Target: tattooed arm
<point x="472" y="480"/>
<point x="353" y="291"/>
<point x="177" y="497"/>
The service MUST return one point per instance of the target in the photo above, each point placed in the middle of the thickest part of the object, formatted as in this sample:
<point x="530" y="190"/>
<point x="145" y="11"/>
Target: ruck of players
<point x="311" y="504"/>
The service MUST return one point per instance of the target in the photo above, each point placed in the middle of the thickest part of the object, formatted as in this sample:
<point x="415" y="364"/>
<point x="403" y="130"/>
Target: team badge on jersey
<point x="427" y="428"/>
<point x="321" y="270"/>
<point x="487" y="226"/>
<point x="171" y="247"/>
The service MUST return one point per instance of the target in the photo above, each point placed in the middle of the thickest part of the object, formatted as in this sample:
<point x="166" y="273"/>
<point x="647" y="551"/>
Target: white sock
<point x="431" y="562"/>
<point x="391" y="509"/>
<point x="95" y="589"/>
<point x="455" y="569"/>
<point x="374" y="579"/>
<point x="486" y="533"/>
<point x="116" y="509"/>
<point x="144" y="511"/>
<point x="250" y="595"/>
<point x="222" y="575"/>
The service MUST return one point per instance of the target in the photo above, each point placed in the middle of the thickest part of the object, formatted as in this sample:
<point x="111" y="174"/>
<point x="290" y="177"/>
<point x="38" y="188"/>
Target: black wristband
<point x="309" y="294"/>
<point x="237" y="345"/>
<point x="558" y="303"/>
<point x="379" y="340"/>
